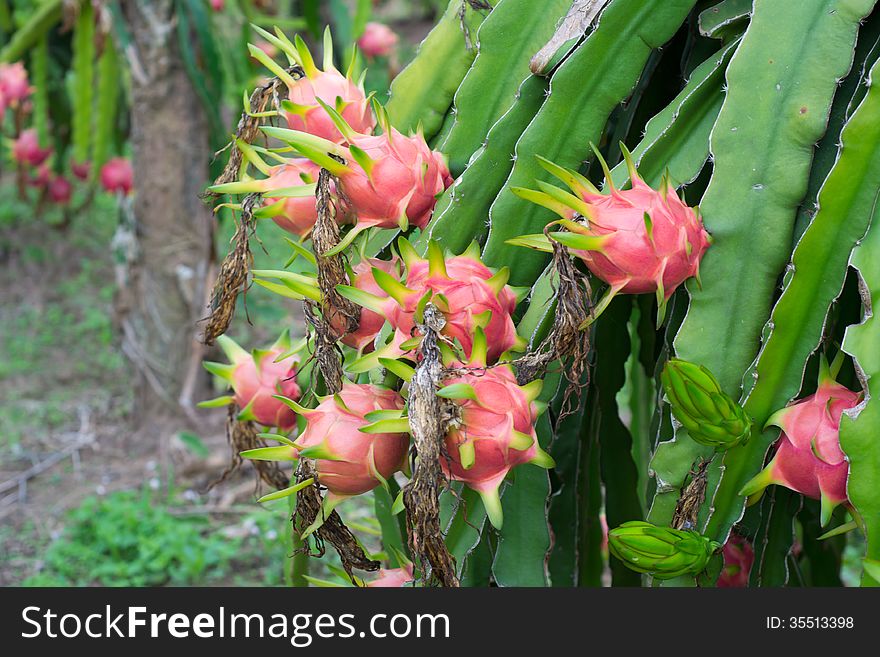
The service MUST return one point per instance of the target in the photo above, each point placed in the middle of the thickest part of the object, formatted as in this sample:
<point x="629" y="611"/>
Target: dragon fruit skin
<point x="378" y="40"/>
<point x="349" y="461"/>
<point x="400" y="184"/>
<point x="60" y="190"/>
<point x="393" y="578"/>
<point x="808" y="457"/>
<point x="26" y="149"/>
<point x="81" y="170"/>
<point x="389" y="180"/>
<point x="739" y="555"/>
<point x="117" y="176"/>
<point x="495" y="430"/>
<point x="297" y="214"/>
<point x="638" y="240"/>
<point x="14" y="85"/>
<point x="371" y="322"/>
<point x="256" y="379"/>
<point x="470" y="295"/>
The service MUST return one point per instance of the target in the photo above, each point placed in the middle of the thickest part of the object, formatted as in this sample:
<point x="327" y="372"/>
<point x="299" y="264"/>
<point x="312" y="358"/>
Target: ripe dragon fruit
<point x="14" y="86"/>
<point x="378" y="40"/>
<point x="469" y="294"/>
<point x="739" y="555"/>
<point x="393" y="578"/>
<point x="495" y="430"/>
<point x="60" y="190"/>
<point x="81" y="169"/>
<point x="362" y="278"/>
<point x="117" y="176"/>
<point x="293" y="207"/>
<point x="389" y="180"/>
<point x="808" y="457"/>
<point x="637" y="240"/>
<point x="256" y="380"/>
<point x="303" y="108"/>
<point x="348" y="460"/>
<point x="26" y="149"/>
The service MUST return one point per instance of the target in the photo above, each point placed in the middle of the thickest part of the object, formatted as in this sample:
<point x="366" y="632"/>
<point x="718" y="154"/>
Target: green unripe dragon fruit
<point x="711" y="417"/>
<point x="662" y="552"/>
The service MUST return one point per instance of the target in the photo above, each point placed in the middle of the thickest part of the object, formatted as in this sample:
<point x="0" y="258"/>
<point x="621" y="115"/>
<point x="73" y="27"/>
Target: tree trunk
<point x="170" y="268"/>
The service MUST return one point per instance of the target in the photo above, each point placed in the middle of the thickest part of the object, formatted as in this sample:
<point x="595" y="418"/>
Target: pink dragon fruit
<point x="218" y="5"/>
<point x="14" y="86"/>
<point x="469" y="294"/>
<point x="350" y="461"/>
<point x="42" y="177"/>
<point x="371" y="323"/>
<point x="117" y="176"/>
<point x="393" y="578"/>
<point x="391" y="181"/>
<point x="26" y="149"/>
<point x="738" y="559"/>
<point x="637" y="240"/>
<point x="378" y="40"/>
<point x="60" y="190"/>
<point x="808" y="457"/>
<point x="81" y="169"/>
<point x="257" y="379"/>
<point x="496" y="428"/>
<point x="303" y="108"/>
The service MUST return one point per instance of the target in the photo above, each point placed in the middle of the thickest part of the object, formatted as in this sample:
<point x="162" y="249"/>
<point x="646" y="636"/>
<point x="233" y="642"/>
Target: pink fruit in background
<point x="371" y="322"/>
<point x="496" y="428"/>
<point x="44" y="175"/>
<point x="390" y="181"/>
<point x="349" y="461"/>
<point x="218" y="5"/>
<point x="256" y="378"/>
<point x="393" y="578"/>
<point x="808" y="456"/>
<point x="14" y="86"/>
<point x="637" y="240"/>
<point x="60" y="190"/>
<point x="117" y="176"/>
<point x="378" y="40"/>
<point x="26" y="149"/>
<point x="81" y="169"/>
<point x="738" y="559"/>
<point x="469" y="294"/>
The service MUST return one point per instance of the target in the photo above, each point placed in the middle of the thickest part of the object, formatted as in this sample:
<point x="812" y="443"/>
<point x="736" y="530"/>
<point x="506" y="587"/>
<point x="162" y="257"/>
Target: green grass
<point x="133" y="538"/>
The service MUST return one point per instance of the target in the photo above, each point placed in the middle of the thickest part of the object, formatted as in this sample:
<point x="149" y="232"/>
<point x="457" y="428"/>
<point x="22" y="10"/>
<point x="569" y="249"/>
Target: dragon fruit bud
<point x="663" y="552"/>
<point x="348" y="459"/>
<point x="303" y="108"/>
<point x="378" y="40"/>
<point x="117" y="176"/>
<point x="81" y="169"/>
<point x="808" y="457"/>
<point x="638" y="240"/>
<point x="60" y="190"/>
<point x="495" y="430"/>
<point x="26" y="149"/>
<point x="470" y="295"/>
<point x="257" y="379"/>
<point x="371" y="322"/>
<point x="739" y="555"/>
<point x="14" y="86"/>
<point x="393" y="578"/>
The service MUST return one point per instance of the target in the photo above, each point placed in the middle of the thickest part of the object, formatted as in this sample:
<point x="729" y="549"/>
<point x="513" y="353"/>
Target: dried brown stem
<point x="429" y="419"/>
<point x="692" y="497"/>
<point x="233" y="276"/>
<point x="566" y="339"/>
